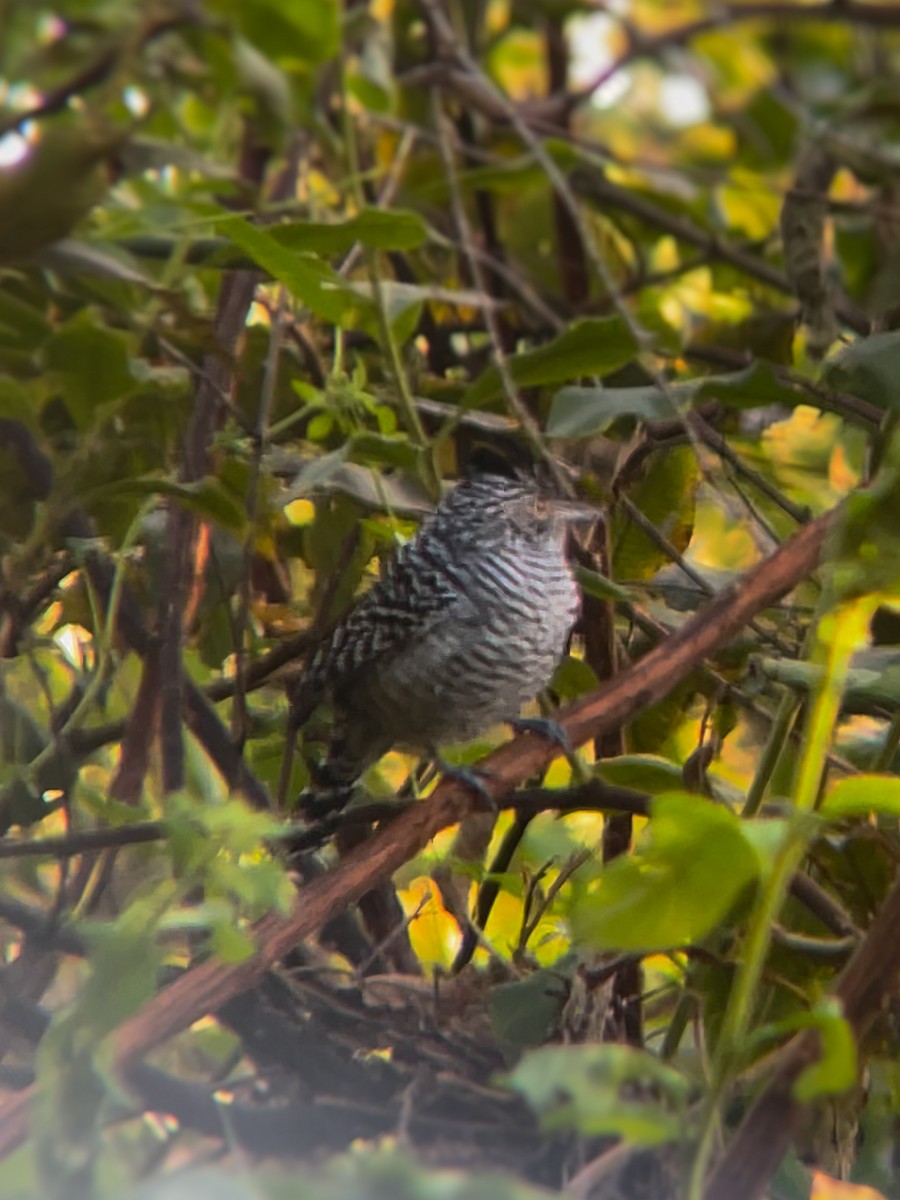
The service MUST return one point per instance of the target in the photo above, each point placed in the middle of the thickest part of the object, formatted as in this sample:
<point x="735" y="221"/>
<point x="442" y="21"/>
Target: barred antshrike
<point x="467" y="623"/>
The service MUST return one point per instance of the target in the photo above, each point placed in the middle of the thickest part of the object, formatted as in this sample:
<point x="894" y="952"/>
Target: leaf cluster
<point x="268" y="273"/>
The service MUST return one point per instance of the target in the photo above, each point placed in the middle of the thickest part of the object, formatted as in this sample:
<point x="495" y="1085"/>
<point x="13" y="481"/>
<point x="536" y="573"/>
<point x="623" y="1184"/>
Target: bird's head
<point x="519" y="501"/>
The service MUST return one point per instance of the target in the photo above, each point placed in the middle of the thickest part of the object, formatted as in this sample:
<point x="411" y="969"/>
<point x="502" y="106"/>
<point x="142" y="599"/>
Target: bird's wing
<point x="399" y="611"/>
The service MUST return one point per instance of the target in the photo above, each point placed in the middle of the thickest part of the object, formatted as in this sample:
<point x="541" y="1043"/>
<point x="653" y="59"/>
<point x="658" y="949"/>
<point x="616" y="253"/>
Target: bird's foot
<point x="315" y="803"/>
<point x="471" y="777"/>
<point x="312" y="836"/>
<point x="547" y="727"/>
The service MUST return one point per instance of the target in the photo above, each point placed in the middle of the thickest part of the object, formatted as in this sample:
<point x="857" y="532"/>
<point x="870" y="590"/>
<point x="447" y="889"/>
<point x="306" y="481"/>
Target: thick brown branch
<point x="646" y="683"/>
<point x="209" y="985"/>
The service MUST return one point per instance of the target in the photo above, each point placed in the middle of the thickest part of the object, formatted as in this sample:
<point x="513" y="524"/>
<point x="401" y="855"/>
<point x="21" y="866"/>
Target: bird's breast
<point x="484" y="655"/>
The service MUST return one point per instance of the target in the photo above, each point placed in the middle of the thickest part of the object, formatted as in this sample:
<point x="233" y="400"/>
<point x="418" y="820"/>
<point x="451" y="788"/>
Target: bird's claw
<point x="471" y="777"/>
<point x="313" y="837"/>
<point x="547" y="727"/>
<point x="315" y="803"/>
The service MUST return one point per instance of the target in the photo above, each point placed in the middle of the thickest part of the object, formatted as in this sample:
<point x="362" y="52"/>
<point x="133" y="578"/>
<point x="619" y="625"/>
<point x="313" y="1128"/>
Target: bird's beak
<point x="577" y="512"/>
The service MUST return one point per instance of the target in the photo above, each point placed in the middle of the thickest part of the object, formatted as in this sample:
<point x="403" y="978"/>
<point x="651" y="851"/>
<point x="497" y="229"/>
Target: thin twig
<point x="501" y="359"/>
<point x="799" y="512"/>
<point x="566" y="871"/>
<point x="260" y="449"/>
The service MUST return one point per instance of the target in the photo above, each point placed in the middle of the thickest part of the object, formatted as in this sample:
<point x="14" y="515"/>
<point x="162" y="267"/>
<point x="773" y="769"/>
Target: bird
<point x="467" y="623"/>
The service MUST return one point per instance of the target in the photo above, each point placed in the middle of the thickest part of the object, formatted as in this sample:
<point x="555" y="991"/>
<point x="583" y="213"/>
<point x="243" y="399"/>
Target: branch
<point x="41" y="927"/>
<point x="84" y="841"/>
<point x="210" y="984"/>
<point x="294" y="1125"/>
<point x="644" y="684"/>
<point x="82" y="742"/>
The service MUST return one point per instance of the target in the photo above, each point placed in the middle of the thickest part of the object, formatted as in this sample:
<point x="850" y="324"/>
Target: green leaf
<point x="869" y="369"/>
<point x="28" y="323"/>
<point x="836" y="1070"/>
<point x="573" y="677"/>
<point x="92" y="362"/>
<point x="404" y="320"/>
<point x="373" y="227"/>
<point x="16" y="402"/>
<point x="753" y="387"/>
<point x="524" y="1013"/>
<point x="586" y="411"/>
<point x="71" y="258"/>
<point x="860" y="795"/>
<point x="124" y="950"/>
<point x="64" y="174"/>
<point x="382" y="451"/>
<point x="305" y="30"/>
<point x="863" y="549"/>
<point x="229" y="943"/>
<point x="374" y="95"/>
<point x="643" y="772"/>
<point x="689" y="868"/>
<point x="768" y="837"/>
<point x="207" y="497"/>
<point x="161" y="383"/>
<point x="262" y="79"/>
<point x="666" y="495"/>
<point x="873" y="681"/>
<point x="590" y="347"/>
<point x="240" y="828"/>
<point x="21" y="787"/>
<point x="124" y="960"/>
<point x="604" y="1090"/>
<point x="306" y="277"/>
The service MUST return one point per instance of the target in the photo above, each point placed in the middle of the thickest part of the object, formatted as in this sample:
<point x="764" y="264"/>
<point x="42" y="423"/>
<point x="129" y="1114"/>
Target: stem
<point x="105" y="649"/>
<point x="780" y="731"/>
<point x="885" y="755"/>
<point x="685" y="1010"/>
<point x="407" y="403"/>
<point x="839" y="634"/>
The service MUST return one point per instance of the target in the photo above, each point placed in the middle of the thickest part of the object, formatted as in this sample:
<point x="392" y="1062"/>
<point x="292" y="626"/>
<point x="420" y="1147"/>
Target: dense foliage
<point x="268" y="270"/>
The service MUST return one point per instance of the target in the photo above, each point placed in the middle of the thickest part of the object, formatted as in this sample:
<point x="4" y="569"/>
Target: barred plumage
<point x="468" y="623"/>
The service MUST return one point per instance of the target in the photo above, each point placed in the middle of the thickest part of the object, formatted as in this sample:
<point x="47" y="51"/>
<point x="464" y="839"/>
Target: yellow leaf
<point x="826" y="1188"/>
<point x="433" y="932"/>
